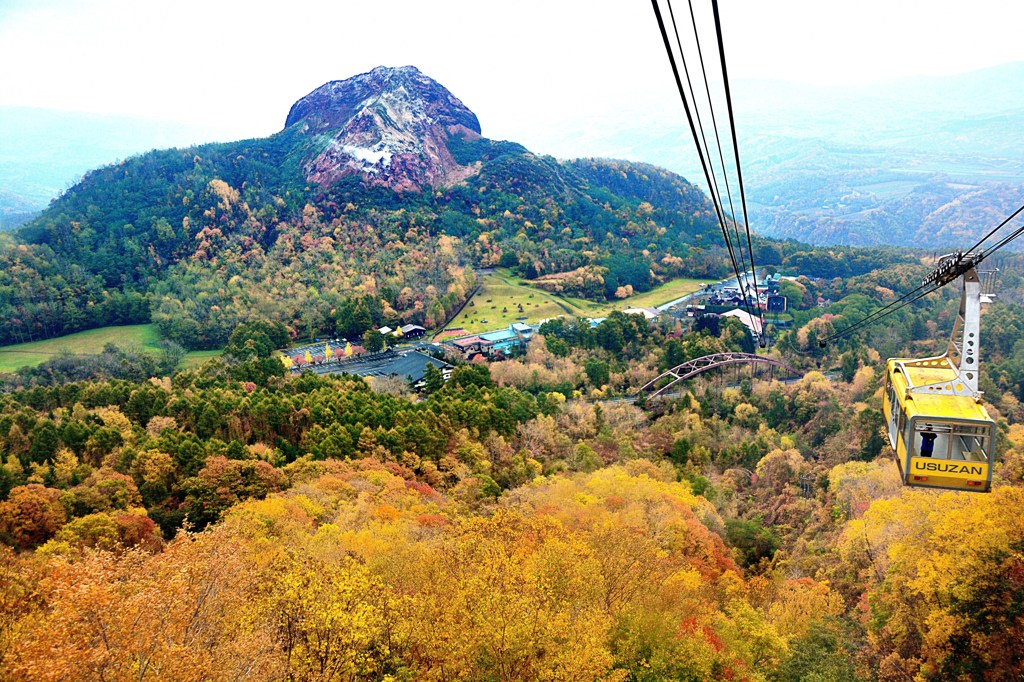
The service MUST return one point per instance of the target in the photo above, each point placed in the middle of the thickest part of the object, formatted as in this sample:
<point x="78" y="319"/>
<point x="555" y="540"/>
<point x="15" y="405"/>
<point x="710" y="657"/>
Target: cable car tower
<point x="940" y="432"/>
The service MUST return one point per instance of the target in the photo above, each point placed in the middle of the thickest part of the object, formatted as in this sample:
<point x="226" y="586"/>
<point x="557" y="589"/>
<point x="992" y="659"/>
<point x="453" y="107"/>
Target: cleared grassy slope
<point x="501" y="294"/>
<point x="142" y="337"/>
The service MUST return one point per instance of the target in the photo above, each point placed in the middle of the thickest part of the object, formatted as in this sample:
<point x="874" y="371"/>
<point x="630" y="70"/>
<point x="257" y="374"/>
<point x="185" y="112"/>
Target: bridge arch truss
<point x="690" y="369"/>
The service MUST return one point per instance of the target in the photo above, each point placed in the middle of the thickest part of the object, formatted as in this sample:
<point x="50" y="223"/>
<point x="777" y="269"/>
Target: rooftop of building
<point x="499" y="335"/>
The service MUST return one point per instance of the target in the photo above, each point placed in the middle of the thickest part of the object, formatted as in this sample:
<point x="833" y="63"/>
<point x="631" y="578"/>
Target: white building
<point x="749" y="321"/>
<point x="648" y="313"/>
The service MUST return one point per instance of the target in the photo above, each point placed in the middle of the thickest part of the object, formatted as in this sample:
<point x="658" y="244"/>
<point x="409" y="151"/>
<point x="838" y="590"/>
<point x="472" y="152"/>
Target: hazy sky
<point x="236" y="66"/>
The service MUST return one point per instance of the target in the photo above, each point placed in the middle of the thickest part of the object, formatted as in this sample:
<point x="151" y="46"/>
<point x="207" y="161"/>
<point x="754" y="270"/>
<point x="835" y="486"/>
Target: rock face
<point x="390" y="126"/>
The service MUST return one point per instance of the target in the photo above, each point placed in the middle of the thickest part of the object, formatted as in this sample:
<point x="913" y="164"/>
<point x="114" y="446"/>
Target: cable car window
<point x="950" y="440"/>
<point x="901" y="428"/>
<point x="973" y="441"/>
<point x="894" y="412"/>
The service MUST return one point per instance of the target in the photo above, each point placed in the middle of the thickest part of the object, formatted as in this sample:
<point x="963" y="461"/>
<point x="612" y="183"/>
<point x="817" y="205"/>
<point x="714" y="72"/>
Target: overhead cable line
<point x="736" y="153"/>
<point x="1004" y="241"/>
<point x="741" y="270"/>
<point x="941" y="276"/>
<point x="703" y="149"/>
<point x="889" y="309"/>
<point x="740" y="281"/>
<point x="995" y="229"/>
<point x="708" y="175"/>
<point x="704" y="153"/>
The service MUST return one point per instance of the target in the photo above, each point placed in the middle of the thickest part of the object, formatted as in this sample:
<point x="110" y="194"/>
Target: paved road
<point x="665" y="306"/>
<point x="708" y="288"/>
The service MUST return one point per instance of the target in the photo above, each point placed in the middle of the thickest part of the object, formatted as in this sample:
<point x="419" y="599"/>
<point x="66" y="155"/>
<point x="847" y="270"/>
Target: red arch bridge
<point x="690" y="369"/>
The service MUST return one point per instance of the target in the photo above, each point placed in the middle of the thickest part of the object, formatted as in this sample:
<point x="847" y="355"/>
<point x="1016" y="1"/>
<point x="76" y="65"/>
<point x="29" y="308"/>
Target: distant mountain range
<point x="930" y="162"/>
<point x="44" y="151"/>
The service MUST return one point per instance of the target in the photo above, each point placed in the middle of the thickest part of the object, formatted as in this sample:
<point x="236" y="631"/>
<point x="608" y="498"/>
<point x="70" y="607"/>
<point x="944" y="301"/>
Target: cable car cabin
<point x="940" y="440"/>
<point x="938" y="428"/>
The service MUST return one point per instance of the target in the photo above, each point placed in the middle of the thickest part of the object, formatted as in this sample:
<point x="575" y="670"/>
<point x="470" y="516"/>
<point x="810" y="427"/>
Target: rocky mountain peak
<point x="390" y="126"/>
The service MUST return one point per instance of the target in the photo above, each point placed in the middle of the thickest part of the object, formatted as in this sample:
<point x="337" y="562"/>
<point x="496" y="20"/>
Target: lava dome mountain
<point x="389" y="126"/>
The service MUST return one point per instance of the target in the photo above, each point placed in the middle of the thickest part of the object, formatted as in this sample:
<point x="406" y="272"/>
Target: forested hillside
<point x="206" y="238"/>
<point x="202" y="239"/>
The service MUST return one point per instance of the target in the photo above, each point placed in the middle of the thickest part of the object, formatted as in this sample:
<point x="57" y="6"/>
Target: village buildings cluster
<point x="335" y="356"/>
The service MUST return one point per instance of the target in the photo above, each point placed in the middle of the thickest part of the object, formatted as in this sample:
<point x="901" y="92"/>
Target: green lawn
<point x="495" y="306"/>
<point x="195" y="358"/>
<point x="659" y="295"/>
<point x="497" y="303"/>
<point x="142" y="337"/>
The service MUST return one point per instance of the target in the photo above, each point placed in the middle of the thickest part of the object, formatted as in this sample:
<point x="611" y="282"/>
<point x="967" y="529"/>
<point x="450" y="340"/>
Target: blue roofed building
<point x="503" y="340"/>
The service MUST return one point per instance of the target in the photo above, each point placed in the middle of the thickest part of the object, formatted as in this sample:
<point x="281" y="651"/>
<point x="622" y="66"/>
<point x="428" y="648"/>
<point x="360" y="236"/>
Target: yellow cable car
<point x="938" y="428"/>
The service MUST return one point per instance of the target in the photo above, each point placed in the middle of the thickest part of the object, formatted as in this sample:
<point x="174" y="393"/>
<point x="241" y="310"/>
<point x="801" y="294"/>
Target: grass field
<point x="497" y="304"/>
<point x="501" y="294"/>
<point x="659" y="295"/>
<point x="143" y="337"/>
<point x="196" y="358"/>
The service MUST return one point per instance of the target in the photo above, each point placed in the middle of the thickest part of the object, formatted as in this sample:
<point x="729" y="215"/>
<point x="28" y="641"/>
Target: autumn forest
<point x="529" y="517"/>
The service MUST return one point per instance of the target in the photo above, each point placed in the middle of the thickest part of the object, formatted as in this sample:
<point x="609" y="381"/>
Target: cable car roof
<point x="938" y="405"/>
